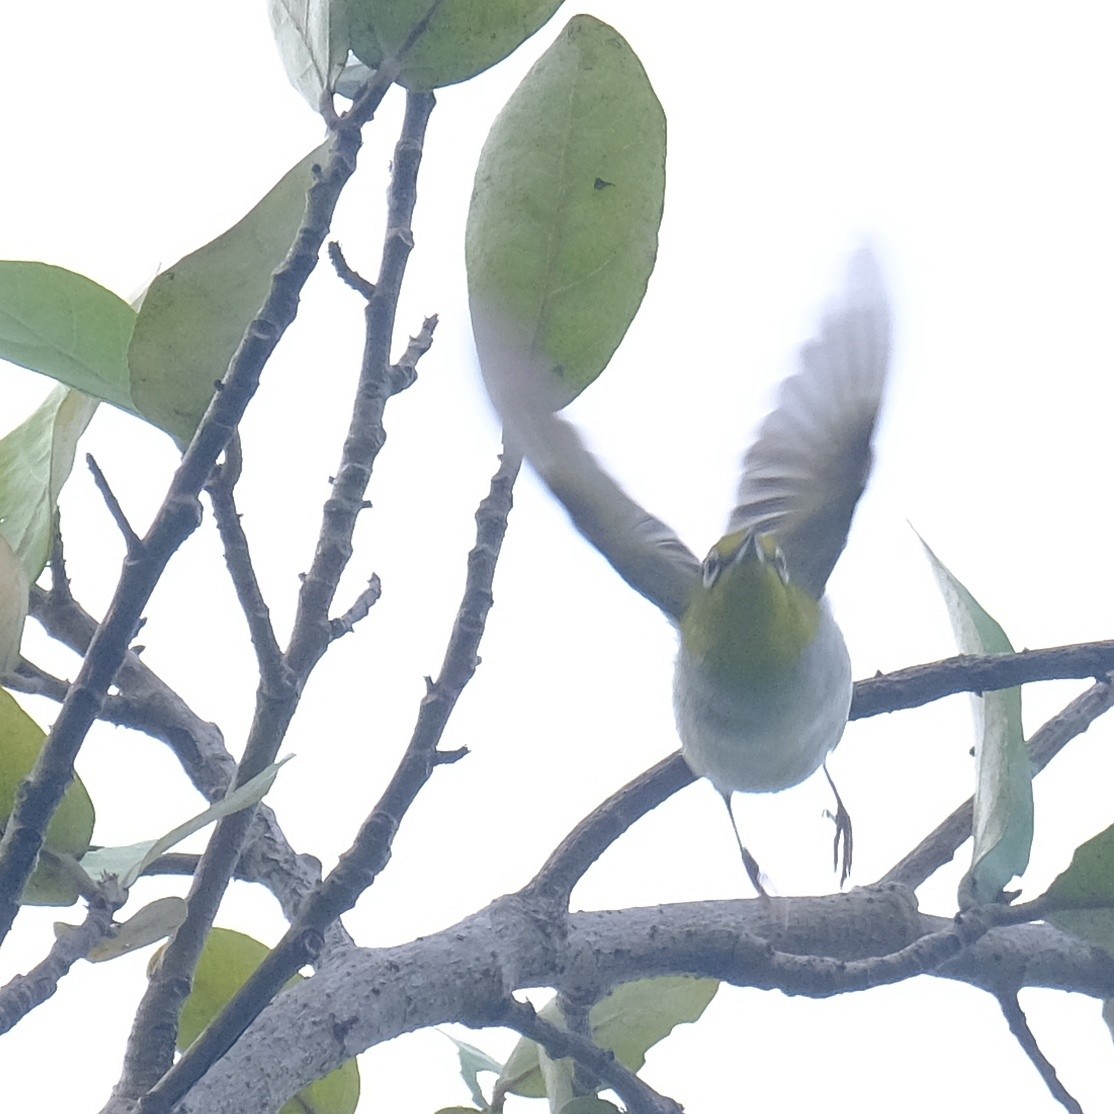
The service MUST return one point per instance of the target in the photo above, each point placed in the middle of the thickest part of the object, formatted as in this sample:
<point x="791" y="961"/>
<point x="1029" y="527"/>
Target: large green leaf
<point x="1003" y="819"/>
<point x="66" y="326"/>
<point x="628" y="1022"/>
<point x="563" y="228"/>
<point x="14" y="587"/>
<point x="35" y="461"/>
<point x="70" y="828"/>
<point x="461" y="39"/>
<point x="309" y="50"/>
<point x="1081" y="899"/>
<point x="195" y="312"/>
<point x="227" y="961"/>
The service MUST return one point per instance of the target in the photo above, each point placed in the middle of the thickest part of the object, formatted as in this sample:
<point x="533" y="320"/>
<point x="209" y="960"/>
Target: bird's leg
<point x="754" y="872"/>
<point x="843" y="836"/>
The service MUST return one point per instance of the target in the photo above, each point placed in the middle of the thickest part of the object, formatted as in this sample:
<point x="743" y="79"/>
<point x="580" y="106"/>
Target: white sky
<point x="970" y="141"/>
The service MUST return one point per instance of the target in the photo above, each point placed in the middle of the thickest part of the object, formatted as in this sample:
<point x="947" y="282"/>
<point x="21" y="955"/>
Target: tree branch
<point x="454" y="975"/>
<point x="1019" y="1026"/>
<point x="24" y="992"/>
<point x="938" y="847"/>
<point x="560" y="1044"/>
<point x="179" y="515"/>
<point x="151" y="1046"/>
<point x="365" y="859"/>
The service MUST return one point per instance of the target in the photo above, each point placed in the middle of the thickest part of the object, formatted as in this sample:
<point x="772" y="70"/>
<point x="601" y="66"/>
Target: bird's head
<point x="748" y="620"/>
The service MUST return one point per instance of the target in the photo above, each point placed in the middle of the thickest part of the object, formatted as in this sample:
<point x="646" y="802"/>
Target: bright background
<point x="970" y="142"/>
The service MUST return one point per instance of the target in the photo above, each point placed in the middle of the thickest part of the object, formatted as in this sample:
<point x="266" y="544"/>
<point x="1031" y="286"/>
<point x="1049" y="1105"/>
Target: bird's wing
<point x="645" y="552"/>
<point x="804" y="474"/>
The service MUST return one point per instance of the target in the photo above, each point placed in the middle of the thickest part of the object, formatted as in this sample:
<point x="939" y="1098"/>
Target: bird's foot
<point x="843" y="836"/>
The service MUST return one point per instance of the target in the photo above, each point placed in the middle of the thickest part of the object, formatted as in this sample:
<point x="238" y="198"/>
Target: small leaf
<point x="129" y="862"/>
<point x="1108" y="1014"/>
<point x="461" y="39"/>
<point x="154" y="922"/>
<point x="628" y="1022"/>
<point x="195" y="313"/>
<point x="66" y="326"/>
<point x="14" y="587"/>
<point x="1003" y="819"/>
<point x="71" y="826"/>
<point x="1081" y="899"/>
<point x="227" y="961"/>
<point x="563" y="228"/>
<point x="35" y="461"/>
<point x="559" y="1079"/>
<point x="306" y="45"/>
<point x="473" y="1060"/>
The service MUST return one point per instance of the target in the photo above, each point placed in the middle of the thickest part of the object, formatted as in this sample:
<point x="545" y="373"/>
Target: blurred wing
<point x="645" y="552"/>
<point x="804" y="474"/>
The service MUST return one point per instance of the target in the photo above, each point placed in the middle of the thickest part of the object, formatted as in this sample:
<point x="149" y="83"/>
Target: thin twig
<point x="131" y="538"/>
<point x="347" y="275"/>
<point x="24" y="992"/>
<point x="359" y="608"/>
<point x="404" y="371"/>
<point x="1019" y="1027"/>
<point x="560" y="1044"/>
<point x="940" y="845"/>
<point x="365" y="859"/>
<point x="221" y="487"/>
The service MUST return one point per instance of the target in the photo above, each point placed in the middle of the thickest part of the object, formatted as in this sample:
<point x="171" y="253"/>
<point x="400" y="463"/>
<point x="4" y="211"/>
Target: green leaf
<point x="590" y="1104"/>
<point x="473" y="1060"/>
<point x="154" y="922"/>
<point x="1003" y="820"/>
<point x="71" y="827"/>
<point x="35" y="461"/>
<point x="14" y="587"/>
<point x="66" y="326"/>
<point x="195" y="313"/>
<point x="129" y="862"/>
<point x="310" y="55"/>
<point x="628" y="1022"/>
<point x="563" y="228"/>
<point x="461" y="39"/>
<point x="1081" y="899"/>
<point x="227" y="961"/>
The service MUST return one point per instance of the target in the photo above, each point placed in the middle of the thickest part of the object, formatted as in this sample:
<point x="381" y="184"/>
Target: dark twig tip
<point x="131" y="538"/>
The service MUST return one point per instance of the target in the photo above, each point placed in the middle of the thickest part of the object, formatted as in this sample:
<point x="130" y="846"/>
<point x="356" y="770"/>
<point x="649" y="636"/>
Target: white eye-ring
<point x="711" y="568"/>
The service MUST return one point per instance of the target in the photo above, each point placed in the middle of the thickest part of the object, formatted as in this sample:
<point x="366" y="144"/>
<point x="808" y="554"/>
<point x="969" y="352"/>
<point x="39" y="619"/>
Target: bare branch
<point x="938" y="847"/>
<point x="1019" y="1026"/>
<point x="358" y="610"/>
<point x="221" y="487"/>
<point x="151" y="1045"/>
<point x="73" y="942"/>
<point x="131" y="538"/>
<point x="179" y="514"/>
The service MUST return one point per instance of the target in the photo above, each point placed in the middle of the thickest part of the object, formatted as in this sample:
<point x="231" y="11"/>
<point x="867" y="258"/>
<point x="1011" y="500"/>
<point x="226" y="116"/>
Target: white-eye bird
<point x="762" y="687"/>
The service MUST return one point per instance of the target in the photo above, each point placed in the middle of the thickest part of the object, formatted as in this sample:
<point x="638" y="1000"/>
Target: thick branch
<point x="454" y="975"/>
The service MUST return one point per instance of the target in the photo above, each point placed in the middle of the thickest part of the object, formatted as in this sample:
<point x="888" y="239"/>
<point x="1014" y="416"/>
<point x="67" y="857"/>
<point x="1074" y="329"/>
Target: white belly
<point x="769" y="737"/>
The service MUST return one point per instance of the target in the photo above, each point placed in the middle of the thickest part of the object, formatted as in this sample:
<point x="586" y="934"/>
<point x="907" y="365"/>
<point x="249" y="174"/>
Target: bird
<point x="762" y="683"/>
